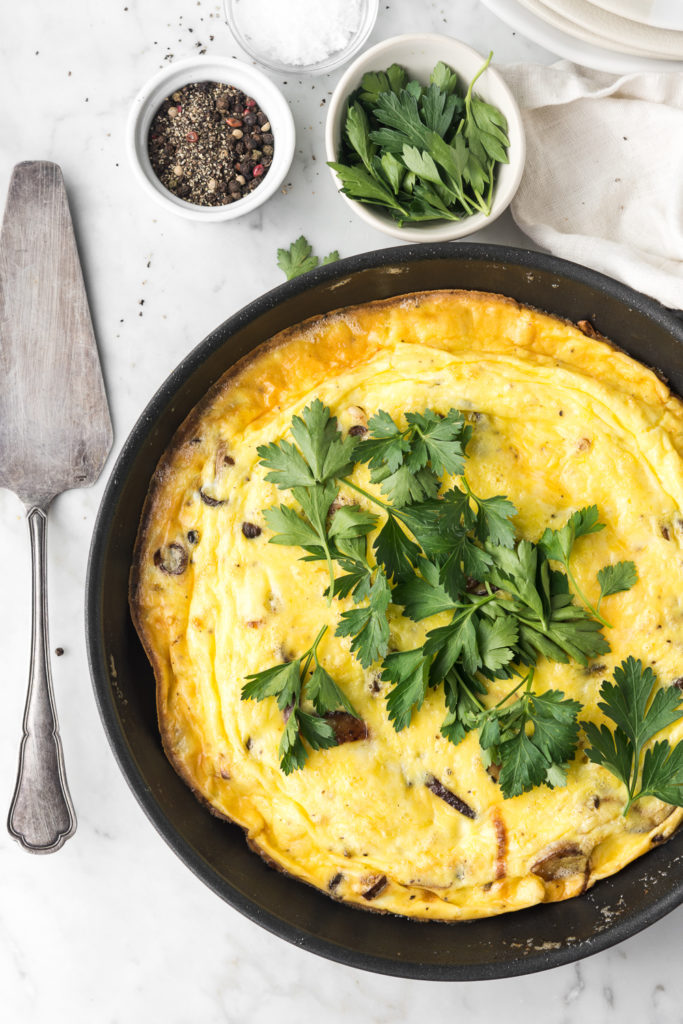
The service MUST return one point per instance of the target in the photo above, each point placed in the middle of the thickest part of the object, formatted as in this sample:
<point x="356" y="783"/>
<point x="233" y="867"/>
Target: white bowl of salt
<point x="301" y="35"/>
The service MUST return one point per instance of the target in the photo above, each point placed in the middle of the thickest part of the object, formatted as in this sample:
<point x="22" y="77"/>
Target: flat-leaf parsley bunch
<point x="440" y="548"/>
<point x="421" y="152"/>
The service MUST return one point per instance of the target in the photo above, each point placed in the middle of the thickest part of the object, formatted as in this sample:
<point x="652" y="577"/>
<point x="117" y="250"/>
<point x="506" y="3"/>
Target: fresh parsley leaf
<point x="456" y="642"/>
<point x="663" y="773"/>
<point x="299" y="259"/>
<point x="496" y="641"/>
<point x="375" y="82"/>
<point x="558" y="544"/>
<point x="630" y="703"/>
<point x="395" y="550"/>
<point x="536" y="734"/>
<point x="465" y="560"/>
<point x="463" y="706"/>
<point x="326" y="696"/>
<point x="292" y="752"/>
<point x="281" y="681"/>
<point x="368" y="625"/>
<point x="317" y="434"/>
<point x="350" y="521"/>
<point x="493" y="521"/>
<point x="523" y="765"/>
<point x="614" y="579"/>
<point x="357" y="183"/>
<point x="287" y="466"/>
<point x="444" y="437"/>
<point x="639" y="711"/>
<point x="392" y="169"/>
<point x="398" y="459"/>
<point x="444" y="78"/>
<point x="611" y="749"/>
<point x="408" y="671"/>
<point x="356" y="580"/>
<point x="292" y="530"/>
<point x="407" y="485"/>
<point x="421" y="164"/>
<point x="358" y="134"/>
<point x="286" y="682"/>
<point x="317" y="732"/>
<point x="423" y="596"/>
<point x="385" y="447"/>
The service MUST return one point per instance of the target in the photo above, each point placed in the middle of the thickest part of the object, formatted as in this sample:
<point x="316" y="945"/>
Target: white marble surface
<point x="114" y="927"/>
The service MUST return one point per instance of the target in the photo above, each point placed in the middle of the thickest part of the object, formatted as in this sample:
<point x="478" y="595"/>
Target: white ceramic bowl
<point x="418" y="54"/>
<point x="210" y="69"/>
<point x="234" y="15"/>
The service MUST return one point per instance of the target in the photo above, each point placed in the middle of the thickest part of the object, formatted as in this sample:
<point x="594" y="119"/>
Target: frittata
<point x="407" y="822"/>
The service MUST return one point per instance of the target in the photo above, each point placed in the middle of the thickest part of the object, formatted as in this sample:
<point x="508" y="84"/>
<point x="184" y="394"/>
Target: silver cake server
<point x="55" y="433"/>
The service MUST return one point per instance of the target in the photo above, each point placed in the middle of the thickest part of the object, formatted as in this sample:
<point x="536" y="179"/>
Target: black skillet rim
<point x="527" y="963"/>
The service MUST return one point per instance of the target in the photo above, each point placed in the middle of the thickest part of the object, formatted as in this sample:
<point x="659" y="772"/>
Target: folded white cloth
<point x="603" y="182"/>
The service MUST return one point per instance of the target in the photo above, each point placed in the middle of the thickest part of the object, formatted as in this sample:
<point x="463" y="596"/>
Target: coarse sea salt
<point x="298" y="32"/>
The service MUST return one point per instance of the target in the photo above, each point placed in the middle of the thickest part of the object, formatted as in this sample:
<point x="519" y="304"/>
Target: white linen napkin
<point x="603" y="181"/>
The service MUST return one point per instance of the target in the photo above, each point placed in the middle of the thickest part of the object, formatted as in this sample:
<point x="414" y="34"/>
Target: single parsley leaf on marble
<point x="639" y="711"/>
<point x="299" y="259"/>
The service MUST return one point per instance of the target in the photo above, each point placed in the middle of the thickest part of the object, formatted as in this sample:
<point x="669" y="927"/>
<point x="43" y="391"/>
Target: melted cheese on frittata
<point x="560" y="421"/>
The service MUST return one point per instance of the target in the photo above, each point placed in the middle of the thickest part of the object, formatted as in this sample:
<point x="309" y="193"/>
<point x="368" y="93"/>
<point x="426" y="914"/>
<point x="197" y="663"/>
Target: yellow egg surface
<point x="560" y="421"/>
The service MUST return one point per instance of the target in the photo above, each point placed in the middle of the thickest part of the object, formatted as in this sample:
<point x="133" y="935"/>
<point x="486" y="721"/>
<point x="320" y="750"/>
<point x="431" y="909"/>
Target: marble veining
<point x="114" y="928"/>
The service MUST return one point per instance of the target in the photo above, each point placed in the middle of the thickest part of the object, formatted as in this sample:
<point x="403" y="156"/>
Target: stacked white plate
<point x="611" y="35"/>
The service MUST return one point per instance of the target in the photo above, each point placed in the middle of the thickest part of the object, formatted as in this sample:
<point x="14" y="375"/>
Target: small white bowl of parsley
<point x="424" y="139"/>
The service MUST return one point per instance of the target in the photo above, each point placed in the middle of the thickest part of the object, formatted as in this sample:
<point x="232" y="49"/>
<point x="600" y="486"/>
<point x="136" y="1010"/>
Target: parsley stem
<point x="480" y="72"/>
<point x="583" y="597"/>
<point x="366" y="494"/>
<point x="528" y="679"/>
<point x="471" y="695"/>
<point x="312" y="652"/>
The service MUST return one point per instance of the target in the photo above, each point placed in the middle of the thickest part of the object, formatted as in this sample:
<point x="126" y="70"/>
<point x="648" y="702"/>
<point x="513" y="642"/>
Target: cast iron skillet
<point x="518" y="943"/>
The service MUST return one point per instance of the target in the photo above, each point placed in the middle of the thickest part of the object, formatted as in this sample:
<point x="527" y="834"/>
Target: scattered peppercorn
<point x="199" y="141"/>
<point x="59" y="651"/>
<point x="251" y="530"/>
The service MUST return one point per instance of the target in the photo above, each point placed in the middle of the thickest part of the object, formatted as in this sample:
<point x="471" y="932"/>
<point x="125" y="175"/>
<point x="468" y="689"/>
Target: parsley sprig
<point x="639" y="710"/>
<point x="299" y="259"/>
<point x="533" y="739"/>
<point x="290" y="684"/>
<point x="438" y="548"/>
<point x="558" y="545"/>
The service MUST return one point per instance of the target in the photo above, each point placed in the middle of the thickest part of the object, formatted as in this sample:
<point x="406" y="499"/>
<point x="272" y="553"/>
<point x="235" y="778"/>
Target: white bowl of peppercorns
<point x="210" y="138"/>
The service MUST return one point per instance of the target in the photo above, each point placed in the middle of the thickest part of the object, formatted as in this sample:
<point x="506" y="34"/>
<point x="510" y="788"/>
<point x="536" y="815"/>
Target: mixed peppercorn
<point x="210" y="144"/>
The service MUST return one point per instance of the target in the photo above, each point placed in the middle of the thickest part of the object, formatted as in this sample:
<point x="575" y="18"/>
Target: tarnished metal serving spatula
<point x="55" y="433"/>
